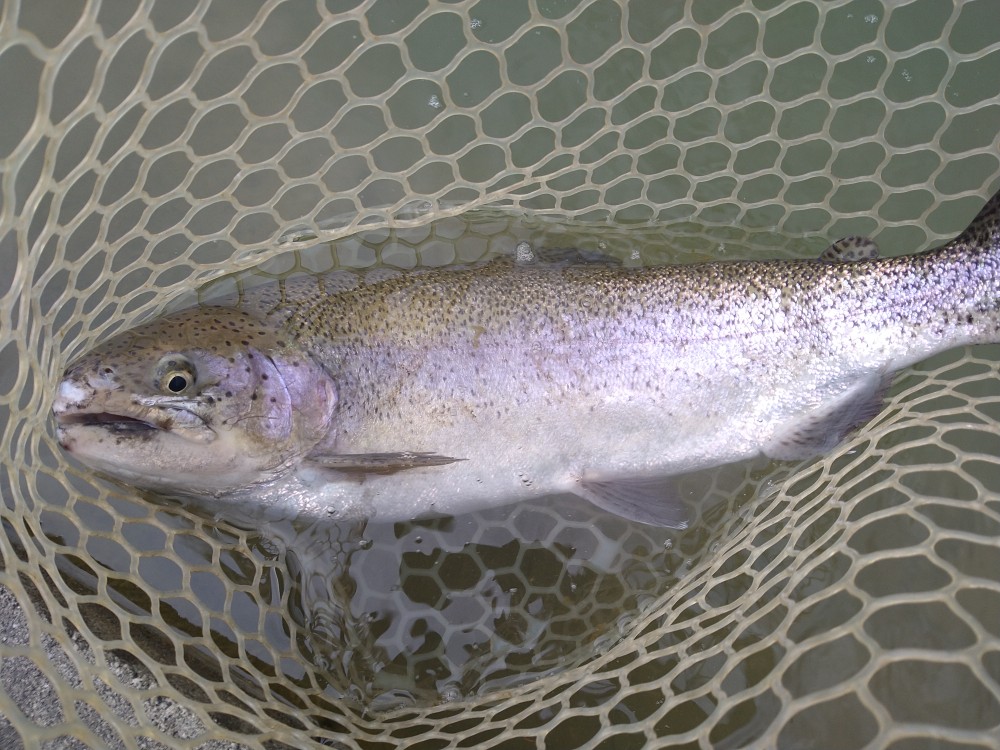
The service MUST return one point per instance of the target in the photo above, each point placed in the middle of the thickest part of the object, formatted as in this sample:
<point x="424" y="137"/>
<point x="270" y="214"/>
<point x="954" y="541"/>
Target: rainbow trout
<point x="434" y="392"/>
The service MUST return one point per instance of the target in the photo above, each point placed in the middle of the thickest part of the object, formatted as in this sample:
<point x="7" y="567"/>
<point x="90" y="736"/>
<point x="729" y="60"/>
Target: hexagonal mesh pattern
<point x="150" y="148"/>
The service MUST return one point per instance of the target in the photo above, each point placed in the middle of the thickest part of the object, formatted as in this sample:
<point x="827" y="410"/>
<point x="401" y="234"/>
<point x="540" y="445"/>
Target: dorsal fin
<point x="850" y="250"/>
<point x="524" y="254"/>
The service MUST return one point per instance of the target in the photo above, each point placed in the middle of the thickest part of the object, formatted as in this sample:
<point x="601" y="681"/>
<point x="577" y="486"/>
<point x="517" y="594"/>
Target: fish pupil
<point x="177" y="383"/>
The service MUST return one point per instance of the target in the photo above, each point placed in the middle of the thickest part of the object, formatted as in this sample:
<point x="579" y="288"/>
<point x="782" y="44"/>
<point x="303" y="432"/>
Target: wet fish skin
<point x="253" y="405"/>
<point x="446" y="390"/>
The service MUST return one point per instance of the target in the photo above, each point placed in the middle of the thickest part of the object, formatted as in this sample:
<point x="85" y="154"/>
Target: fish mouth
<point x="117" y="423"/>
<point x="133" y="419"/>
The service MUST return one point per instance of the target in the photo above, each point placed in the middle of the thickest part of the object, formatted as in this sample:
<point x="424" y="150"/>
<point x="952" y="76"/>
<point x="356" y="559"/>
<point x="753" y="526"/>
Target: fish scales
<point x="449" y="389"/>
<point x="653" y="326"/>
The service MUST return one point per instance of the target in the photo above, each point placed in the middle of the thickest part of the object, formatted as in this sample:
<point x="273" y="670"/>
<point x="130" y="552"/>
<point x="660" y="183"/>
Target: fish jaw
<point x="187" y="404"/>
<point x="144" y="423"/>
<point x="142" y="439"/>
<point x="81" y="406"/>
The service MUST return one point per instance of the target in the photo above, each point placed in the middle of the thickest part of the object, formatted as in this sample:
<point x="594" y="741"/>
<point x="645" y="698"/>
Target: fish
<point x="397" y="395"/>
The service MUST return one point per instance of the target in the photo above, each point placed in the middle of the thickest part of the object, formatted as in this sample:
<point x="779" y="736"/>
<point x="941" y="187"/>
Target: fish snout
<point x="82" y="386"/>
<point x="72" y="395"/>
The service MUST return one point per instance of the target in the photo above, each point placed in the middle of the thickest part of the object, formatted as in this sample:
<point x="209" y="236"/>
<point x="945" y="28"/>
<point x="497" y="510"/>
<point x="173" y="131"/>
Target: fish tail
<point x="983" y="231"/>
<point x="976" y="251"/>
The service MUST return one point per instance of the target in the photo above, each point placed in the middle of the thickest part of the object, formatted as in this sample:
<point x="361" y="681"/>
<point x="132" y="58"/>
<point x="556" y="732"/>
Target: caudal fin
<point x="984" y="230"/>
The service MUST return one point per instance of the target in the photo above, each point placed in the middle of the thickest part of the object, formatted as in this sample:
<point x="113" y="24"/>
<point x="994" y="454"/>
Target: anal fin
<point x="820" y="431"/>
<point x="654" y="501"/>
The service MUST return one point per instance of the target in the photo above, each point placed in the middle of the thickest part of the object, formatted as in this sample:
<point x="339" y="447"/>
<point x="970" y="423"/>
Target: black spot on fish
<point x="229" y="394"/>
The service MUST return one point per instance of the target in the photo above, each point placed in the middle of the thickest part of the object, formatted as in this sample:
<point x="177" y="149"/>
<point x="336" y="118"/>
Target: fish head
<point x="201" y="402"/>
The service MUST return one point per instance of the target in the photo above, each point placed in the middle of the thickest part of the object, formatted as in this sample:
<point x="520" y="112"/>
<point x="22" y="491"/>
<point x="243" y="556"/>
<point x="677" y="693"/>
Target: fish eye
<point x="175" y="374"/>
<point x="177" y="382"/>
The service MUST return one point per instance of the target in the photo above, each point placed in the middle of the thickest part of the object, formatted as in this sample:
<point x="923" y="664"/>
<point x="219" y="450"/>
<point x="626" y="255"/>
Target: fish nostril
<point x="103" y="378"/>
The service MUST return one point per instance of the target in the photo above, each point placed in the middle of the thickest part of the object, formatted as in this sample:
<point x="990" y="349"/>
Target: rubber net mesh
<point x="150" y="148"/>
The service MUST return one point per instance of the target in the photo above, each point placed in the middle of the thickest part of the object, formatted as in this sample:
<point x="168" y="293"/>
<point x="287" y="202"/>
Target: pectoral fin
<point x="655" y="501"/>
<point x="378" y="463"/>
<point x="821" y="430"/>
